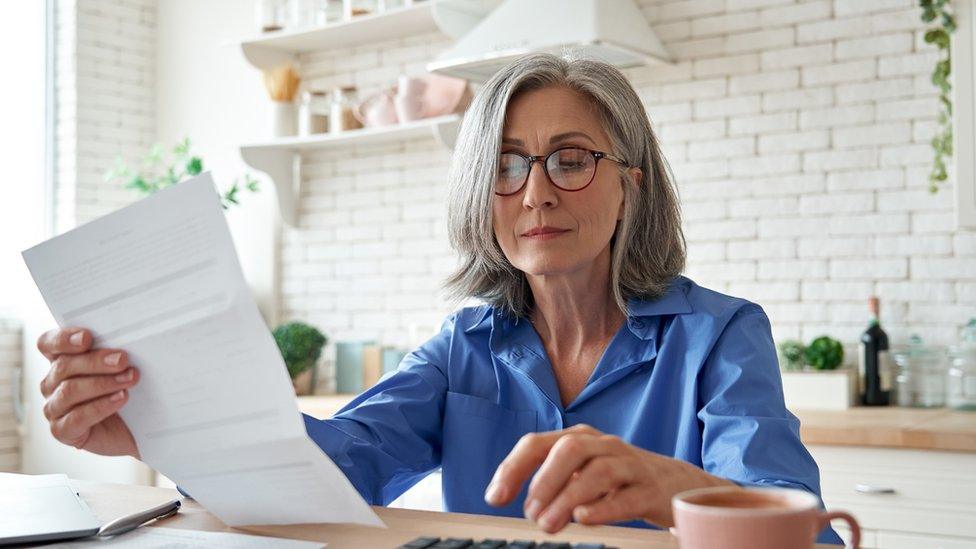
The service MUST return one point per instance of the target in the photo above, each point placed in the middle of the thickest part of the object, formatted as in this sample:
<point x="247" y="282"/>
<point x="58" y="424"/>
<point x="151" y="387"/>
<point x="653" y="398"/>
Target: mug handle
<point x="824" y="519"/>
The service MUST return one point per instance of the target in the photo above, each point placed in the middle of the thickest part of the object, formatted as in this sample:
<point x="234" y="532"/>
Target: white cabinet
<point x="902" y="498"/>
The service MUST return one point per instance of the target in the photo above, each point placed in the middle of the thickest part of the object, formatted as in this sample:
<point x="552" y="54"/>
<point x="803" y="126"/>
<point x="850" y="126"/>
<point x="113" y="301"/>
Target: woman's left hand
<point x="593" y="478"/>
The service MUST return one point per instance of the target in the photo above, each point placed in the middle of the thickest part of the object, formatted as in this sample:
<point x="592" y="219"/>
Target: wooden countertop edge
<point x="914" y="429"/>
<point x="891" y="438"/>
<point x="904" y="428"/>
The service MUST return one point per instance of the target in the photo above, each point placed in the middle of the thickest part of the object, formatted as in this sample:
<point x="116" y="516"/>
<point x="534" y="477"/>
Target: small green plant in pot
<point x="824" y="353"/>
<point x="812" y="377"/>
<point x="300" y="346"/>
<point x="792" y="355"/>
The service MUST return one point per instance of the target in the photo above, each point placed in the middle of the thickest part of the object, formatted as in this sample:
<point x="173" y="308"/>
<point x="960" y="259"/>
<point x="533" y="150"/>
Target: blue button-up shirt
<point x="692" y="375"/>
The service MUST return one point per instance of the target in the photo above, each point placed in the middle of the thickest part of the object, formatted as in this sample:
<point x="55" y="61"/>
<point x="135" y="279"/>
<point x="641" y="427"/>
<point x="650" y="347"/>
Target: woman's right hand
<point x="83" y="392"/>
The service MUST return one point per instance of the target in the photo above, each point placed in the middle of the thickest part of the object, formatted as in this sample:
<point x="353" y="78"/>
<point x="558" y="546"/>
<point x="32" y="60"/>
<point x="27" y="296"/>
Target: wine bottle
<point x="873" y="364"/>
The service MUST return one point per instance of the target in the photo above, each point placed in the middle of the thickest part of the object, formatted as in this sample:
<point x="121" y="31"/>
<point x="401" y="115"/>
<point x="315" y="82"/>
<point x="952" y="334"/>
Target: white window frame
<point x="964" y="112"/>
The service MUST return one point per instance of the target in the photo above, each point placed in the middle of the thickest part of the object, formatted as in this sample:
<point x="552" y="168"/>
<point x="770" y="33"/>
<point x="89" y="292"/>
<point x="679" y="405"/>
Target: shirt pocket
<point x="478" y="434"/>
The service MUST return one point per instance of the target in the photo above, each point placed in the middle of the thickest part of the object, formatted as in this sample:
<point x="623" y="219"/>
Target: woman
<point x="593" y="363"/>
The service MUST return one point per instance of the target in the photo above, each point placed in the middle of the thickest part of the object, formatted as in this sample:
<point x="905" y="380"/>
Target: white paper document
<point x="214" y="409"/>
<point x="175" y="538"/>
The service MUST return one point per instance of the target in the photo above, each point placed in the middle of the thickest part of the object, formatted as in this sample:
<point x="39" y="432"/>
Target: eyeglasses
<point x="570" y="169"/>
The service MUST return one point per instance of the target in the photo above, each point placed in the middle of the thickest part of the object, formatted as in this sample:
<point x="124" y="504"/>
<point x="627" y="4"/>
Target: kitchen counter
<point x="888" y="427"/>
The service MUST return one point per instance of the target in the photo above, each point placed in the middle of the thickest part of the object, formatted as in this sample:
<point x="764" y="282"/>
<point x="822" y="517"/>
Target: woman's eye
<point x="509" y="167"/>
<point x="570" y="165"/>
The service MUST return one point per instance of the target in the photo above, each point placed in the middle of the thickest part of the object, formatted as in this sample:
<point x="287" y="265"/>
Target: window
<point x="964" y="112"/>
<point x="24" y="197"/>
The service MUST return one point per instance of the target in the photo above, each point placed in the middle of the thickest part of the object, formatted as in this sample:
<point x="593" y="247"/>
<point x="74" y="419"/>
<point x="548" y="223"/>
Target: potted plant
<point x="155" y="173"/>
<point x="300" y="346"/>
<point x="812" y="375"/>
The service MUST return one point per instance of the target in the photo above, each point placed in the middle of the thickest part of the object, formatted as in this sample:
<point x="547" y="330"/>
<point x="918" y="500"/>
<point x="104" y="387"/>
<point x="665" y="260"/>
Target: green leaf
<point x="138" y="183"/>
<point x="948" y="22"/>
<point x="194" y="165"/>
<point x="938" y="37"/>
<point x="171" y="177"/>
<point x="183" y="147"/>
<point x="155" y="155"/>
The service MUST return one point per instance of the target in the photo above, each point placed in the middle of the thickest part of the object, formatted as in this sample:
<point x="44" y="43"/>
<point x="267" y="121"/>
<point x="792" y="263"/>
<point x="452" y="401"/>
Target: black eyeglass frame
<point x="597" y="156"/>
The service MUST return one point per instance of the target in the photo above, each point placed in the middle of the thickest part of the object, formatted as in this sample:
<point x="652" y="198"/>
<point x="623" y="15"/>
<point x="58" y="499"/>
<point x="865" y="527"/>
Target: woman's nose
<point x="539" y="191"/>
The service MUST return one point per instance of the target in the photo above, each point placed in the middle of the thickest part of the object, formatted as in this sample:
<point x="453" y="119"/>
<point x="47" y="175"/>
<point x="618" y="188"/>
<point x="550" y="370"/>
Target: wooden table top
<point x="110" y="501"/>
<point x="887" y="427"/>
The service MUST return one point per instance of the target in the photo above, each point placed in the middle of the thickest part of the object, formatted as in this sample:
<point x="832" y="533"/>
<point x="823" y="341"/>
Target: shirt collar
<point x="478" y="318"/>
<point x="674" y="301"/>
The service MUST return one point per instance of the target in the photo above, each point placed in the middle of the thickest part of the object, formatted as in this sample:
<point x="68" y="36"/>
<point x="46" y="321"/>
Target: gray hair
<point x="648" y="246"/>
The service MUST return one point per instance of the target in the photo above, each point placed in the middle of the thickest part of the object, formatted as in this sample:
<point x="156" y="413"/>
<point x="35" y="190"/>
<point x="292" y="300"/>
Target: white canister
<point x="284" y="118"/>
<point x="313" y="114"/>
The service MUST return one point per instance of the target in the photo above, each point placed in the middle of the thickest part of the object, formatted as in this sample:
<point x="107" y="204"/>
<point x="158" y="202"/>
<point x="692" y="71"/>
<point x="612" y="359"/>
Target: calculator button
<point x="453" y="543"/>
<point x="420" y="543"/>
<point x="490" y="544"/>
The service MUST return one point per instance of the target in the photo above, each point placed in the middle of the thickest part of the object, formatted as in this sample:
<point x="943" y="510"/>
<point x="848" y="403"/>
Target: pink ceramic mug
<point x="752" y="518"/>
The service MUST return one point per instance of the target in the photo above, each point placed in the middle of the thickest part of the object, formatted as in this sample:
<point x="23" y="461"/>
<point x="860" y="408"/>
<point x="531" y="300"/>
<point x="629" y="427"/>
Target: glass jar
<point x="318" y="13"/>
<point x="921" y="378"/>
<point x="961" y="378"/>
<point x="359" y="8"/>
<point x="341" y="115"/>
<point x="270" y="15"/>
<point x="301" y="13"/>
<point x="313" y="113"/>
<point x="334" y="12"/>
<point x="390" y="5"/>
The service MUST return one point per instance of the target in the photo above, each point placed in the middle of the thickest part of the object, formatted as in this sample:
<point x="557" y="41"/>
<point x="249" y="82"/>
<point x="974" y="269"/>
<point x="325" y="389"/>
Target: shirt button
<point x="635" y="323"/>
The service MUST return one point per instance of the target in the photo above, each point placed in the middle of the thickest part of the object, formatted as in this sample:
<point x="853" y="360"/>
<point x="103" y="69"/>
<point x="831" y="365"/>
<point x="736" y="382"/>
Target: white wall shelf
<point x="452" y="17"/>
<point x="281" y="158"/>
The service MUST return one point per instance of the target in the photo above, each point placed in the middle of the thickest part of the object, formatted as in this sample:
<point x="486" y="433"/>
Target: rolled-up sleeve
<point x="748" y="435"/>
<point x="389" y="437"/>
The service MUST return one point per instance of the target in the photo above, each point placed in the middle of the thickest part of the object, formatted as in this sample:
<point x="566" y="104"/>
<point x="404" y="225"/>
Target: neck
<point x="575" y="309"/>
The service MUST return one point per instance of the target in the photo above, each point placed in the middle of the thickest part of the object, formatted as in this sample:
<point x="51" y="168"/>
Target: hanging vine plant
<point x="939" y="11"/>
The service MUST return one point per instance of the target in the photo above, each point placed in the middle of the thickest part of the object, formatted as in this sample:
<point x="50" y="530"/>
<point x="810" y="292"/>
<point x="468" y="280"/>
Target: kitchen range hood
<point x="614" y="31"/>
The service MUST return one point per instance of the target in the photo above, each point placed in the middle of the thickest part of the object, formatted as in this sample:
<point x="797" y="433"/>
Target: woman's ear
<point x="635" y="175"/>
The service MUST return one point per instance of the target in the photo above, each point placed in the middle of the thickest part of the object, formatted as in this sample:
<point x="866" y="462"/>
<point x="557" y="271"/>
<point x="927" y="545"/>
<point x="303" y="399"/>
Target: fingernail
<point x="547" y="520"/>
<point x="490" y="492"/>
<point x="117" y="396"/>
<point x="532" y="508"/>
<point x="580" y="513"/>
<point x="494" y="493"/>
<point x="124" y="376"/>
<point x="77" y="338"/>
<point x="113" y="359"/>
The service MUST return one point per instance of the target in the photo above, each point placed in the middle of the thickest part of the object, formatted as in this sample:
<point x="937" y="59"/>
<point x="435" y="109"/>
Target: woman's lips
<point x="544" y="233"/>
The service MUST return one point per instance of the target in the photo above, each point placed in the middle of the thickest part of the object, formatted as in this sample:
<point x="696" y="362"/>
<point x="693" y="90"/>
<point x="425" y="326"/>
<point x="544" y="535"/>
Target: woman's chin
<point x="548" y="268"/>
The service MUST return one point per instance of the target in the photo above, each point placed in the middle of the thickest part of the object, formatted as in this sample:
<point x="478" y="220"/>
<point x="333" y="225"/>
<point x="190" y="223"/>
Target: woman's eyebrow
<point x="566" y="135"/>
<point x="554" y="139"/>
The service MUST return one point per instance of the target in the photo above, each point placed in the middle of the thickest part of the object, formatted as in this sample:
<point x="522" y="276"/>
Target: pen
<point x="124" y="524"/>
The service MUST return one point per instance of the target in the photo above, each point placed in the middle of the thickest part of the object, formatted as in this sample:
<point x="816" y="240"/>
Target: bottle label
<point x="861" y="369"/>
<point x="886" y="370"/>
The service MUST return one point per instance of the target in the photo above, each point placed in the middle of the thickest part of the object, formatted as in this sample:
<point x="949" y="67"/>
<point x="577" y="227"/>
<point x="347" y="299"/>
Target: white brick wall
<point x="105" y="101"/>
<point x="798" y="133"/>
<point x="11" y="357"/>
